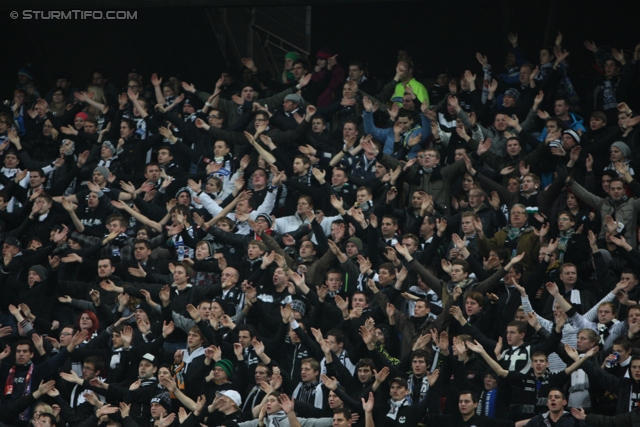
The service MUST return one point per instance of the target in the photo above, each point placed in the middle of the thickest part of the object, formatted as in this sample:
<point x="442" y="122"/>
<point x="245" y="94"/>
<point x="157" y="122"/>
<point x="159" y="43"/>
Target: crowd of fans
<point x="324" y="248"/>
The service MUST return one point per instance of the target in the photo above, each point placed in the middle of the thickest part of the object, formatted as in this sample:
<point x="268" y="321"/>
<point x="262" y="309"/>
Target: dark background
<point x="440" y="34"/>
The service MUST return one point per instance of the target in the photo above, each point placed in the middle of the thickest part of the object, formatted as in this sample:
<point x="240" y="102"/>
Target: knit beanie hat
<point x="266" y="217"/>
<point x="299" y="306"/>
<point x="573" y="134"/>
<point x="103" y="171"/>
<point x="296" y="99"/>
<point x="209" y="243"/>
<point x="226" y="366"/>
<point x="356" y="241"/>
<point x="24" y="71"/>
<point x="512" y="93"/>
<point x="292" y="56"/>
<point x="324" y="53"/>
<point x="82" y="115"/>
<point x="182" y="190"/>
<point x="164" y="400"/>
<point x="40" y="271"/>
<point x="228" y="307"/>
<point x="110" y="146"/>
<point x="626" y="151"/>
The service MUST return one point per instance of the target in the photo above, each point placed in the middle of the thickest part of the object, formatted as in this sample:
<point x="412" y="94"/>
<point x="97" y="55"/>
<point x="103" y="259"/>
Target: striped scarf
<point x="8" y="388"/>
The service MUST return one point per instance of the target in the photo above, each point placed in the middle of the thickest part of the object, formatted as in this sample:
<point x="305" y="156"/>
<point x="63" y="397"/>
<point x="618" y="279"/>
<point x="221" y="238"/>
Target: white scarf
<point x="579" y="390"/>
<point x="189" y="356"/>
<point x="575" y="299"/>
<point x="115" y="358"/>
<point x="74" y="401"/>
<point x="394" y="407"/>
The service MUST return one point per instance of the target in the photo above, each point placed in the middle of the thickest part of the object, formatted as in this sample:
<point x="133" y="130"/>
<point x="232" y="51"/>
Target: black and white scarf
<point x="394" y="407"/>
<point x="412" y="383"/>
<point x="274" y="420"/>
<point x="310" y="393"/>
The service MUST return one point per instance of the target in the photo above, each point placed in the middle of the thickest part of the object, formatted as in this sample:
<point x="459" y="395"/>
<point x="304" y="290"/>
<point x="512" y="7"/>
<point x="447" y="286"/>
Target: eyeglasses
<point x="65" y="334"/>
<point x="86" y="368"/>
<point x="213" y="117"/>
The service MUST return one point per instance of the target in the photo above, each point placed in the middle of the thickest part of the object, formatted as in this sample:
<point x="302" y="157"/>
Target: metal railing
<point x="288" y="28"/>
<point x="264" y="33"/>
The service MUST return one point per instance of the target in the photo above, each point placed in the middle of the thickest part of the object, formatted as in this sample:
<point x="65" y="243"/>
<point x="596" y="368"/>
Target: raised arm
<point x="476" y="347"/>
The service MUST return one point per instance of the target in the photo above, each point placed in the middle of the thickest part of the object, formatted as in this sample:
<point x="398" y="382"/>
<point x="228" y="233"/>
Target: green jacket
<point x="438" y="184"/>
<point x="528" y="243"/>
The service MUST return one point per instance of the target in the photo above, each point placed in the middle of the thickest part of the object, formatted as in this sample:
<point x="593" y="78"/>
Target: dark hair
<point x="466" y="267"/>
<point x="345" y="412"/>
<point x="357" y="63"/>
<point x="304" y="159"/>
<point x="221" y="114"/>
<point x="630" y="271"/>
<point x="559" y="390"/>
<point x="187" y="268"/>
<point x="522" y="328"/>
<point x="420" y="354"/>
<point x="389" y="267"/>
<point x="101" y="71"/>
<point x="52" y="419"/>
<point x="394" y="219"/>
<point x="599" y="115"/>
<point x="518" y="268"/>
<point x="97" y="363"/>
<point x="474" y="398"/>
<point x="623" y="342"/>
<point x="366" y="362"/>
<point x="339" y="335"/>
<point x="332" y="271"/>
<point x="249" y="328"/>
<point x="263" y="114"/>
<point x="152" y="163"/>
<point x="540" y="353"/>
<point x="557" y="121"/>
<point x="166" y="147"/>
<point x="302" y="62"/>
<point x="267" y="367"/>
<point x="502" y="253"/>
<point x="108" y="258"/>
<point x="425" y="301"/>
<point x="25" y="342"/>
<point x="476" y="296"/>
<point x="142" y="242"/>
<point x="130" y="123"/>
<point x="7" y="117"/>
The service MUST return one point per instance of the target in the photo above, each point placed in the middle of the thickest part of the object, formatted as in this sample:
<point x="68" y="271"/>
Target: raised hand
<point x="330" y="383"/>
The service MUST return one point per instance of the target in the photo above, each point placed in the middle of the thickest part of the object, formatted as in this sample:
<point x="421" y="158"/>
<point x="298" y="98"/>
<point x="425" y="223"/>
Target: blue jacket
<point x="576" y="124"/>
<point x="387" y="137"/>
